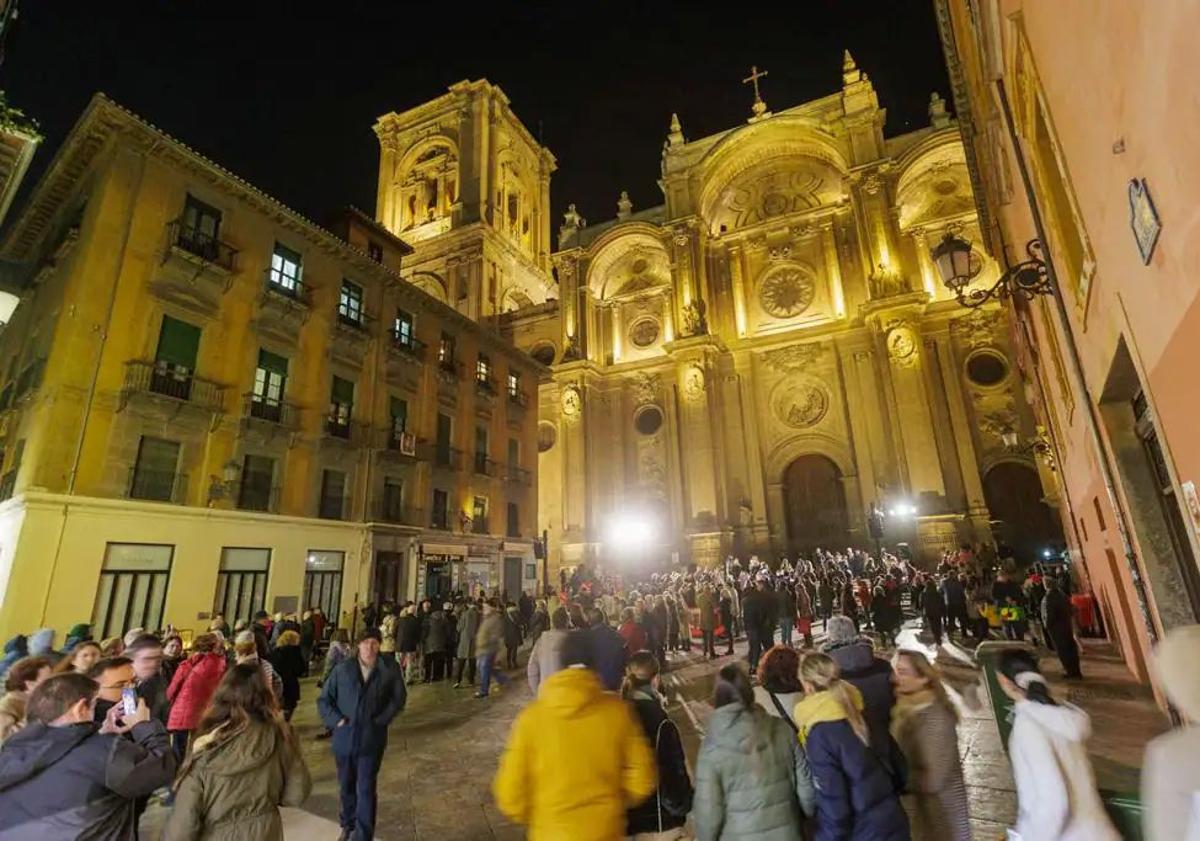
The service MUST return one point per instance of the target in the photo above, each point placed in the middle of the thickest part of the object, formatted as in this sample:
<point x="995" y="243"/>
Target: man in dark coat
<point x="1060" y="629"/>
<point x="608" y="650"/>
<point x="61" y="778"/>
<point x="435" y="642"/>
<point x="954" y="594"/>
<point x="408" y="640"/>
<point x="358" y="702"/>
<point x="757" y="613"/>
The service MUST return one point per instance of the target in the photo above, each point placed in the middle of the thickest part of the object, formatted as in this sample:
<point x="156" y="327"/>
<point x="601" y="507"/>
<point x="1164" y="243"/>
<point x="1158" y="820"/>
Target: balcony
<point x="519" y="475"/>
<point x="390" y="509"/>
<point x="350" y="338"/>
<point x="480" y="525"/>
<point x="399" y="445"/>
<point x="406" y="345"/>
<point x="196" y="271"/>
<point x="158" y="485"/>
<point x="165" y="384"/>
<point x="208" y="250"/>
<point x="442" y="458"/>
<point x="485" y="384"/>
<point x="269" y="410"/>
<point x="283" y="310"/>
<point x="485" y="466"/>
<point x="517" y="398"/>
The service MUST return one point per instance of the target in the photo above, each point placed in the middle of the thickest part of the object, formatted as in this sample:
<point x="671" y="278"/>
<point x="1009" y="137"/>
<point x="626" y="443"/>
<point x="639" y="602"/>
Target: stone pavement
<point x="435" y="782"/>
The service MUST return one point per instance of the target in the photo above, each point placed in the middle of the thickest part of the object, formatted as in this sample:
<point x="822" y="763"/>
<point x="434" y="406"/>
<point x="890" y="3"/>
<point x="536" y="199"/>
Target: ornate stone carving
<point x="886" y="282"/>
<point x="871" y="184"/>
<point x="794" y="358"/>
<point x="680" y="237"/>
<point x="807" y="229"/>
<point x="782" y="252"/>
<point x="978" y="329"/>
<point x="786" y="291"/>
<point x="902" y="345"/>
<point x="800" y="402"/>
<point x="572" y="403"/>
<point x="645" y="388"/>
<point x="695" y="322"/>
<point x="643" y="332"/>
<point x="693" y="382"/>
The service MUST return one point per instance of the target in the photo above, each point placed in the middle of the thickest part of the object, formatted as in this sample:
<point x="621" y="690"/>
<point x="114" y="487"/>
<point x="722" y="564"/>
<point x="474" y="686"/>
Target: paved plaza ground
<point x="435" y="782"/>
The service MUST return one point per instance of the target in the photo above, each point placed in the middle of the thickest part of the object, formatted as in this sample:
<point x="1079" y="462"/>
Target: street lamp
<point x="227" y="485"/>
<point x="957" y="265"/>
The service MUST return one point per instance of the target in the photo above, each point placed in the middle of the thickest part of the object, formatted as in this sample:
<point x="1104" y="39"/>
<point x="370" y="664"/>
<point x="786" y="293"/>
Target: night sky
<point x="286" y="98"/>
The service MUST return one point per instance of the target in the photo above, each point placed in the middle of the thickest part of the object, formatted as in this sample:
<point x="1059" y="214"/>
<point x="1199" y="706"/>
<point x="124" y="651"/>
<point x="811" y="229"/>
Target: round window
<point x="643" y="332"/>
<point x="543" y="353"/>
<point x="987" y="369"/>
<point x="547" y="435"/>
<point x="649" y="420"/>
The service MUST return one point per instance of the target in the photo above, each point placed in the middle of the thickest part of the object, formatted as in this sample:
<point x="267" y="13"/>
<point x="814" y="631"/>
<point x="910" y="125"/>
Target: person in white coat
<point x="1171" y="770"/>
<point x="1057" y="798"/>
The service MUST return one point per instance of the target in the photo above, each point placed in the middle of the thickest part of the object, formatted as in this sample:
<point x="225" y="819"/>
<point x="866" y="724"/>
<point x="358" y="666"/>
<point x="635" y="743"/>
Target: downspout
<point x="1093" y="414"/>
<point x="91" y="395"/>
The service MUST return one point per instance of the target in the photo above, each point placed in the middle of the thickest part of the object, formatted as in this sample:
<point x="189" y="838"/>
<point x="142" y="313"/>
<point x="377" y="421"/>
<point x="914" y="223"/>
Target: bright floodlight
<point x="630" y="530"/>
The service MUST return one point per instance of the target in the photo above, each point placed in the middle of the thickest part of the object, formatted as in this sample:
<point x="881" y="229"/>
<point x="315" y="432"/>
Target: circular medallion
<point x="643" y="332"/>
<point x="901" y="344"/>
<point x="774" y="203"/>
<point x="648" y="420"/>
<point x="547" y="436"/>
<point x="800" y="402"/>
<point x="693" y="382"/>
<point x="640" y="265"/>
<point x="786" y="291"/>
<point x="572" y="402"/>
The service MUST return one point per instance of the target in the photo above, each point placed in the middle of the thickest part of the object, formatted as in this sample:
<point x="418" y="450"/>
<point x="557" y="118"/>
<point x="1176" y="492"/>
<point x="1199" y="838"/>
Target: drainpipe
<point x="91" y="395"/>
<point x="1107" y="470"/>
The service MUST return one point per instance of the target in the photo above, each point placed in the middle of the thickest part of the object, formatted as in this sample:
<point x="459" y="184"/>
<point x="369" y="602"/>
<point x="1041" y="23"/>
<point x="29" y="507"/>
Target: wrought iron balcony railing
<point x="175" y="381"/>
<point x="199" y="244"/>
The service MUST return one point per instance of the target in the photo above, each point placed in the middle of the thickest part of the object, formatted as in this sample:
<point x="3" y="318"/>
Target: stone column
<point x="542" y="251"/>
<point x="968" y="460"/>
<point x="837" y="295"/>
<point x="929" y="277"/>
<point x="903" y="343"/>
<point x="614" y="322"/>
<point x="385" y="197"/>
<point x="739" y="289"/>
<point x="699" y="451"/>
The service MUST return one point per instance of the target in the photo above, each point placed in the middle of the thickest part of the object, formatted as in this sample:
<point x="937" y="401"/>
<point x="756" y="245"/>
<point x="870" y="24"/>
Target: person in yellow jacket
<point x="576" y="758"/>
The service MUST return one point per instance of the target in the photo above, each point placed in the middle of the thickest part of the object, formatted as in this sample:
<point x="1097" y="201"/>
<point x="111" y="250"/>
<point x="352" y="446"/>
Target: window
<point x="483" y="371"/>
<point x="284" y="274"/>
<point x="155" y="473"/>
<point x="514" y="520"/>
<point x="440" y="515"/>
<point x="479" y="515"/>
<point x="258" y="479"/>
<point x="393" y="501"/>
<point x="481" y="449"/>
<point x="333" y="493"/>
<point x="446" y="351"/>
<point x="341" y="407"/>
<point x="270" y="378"/>
<point x="442" y="448"/>
<point x="402" y="329"/>
<point x="350" y="304"/>
<point x="175" y="358"/>
<point x="133" y="588"/>
<point x="375" y="251"/>
<point x="398" y="411"/>
<point x="199" y="228"/>
<point x="514" y="452"/>
<point x="241" y="583"/>
<point x="323" y="583"/>
<point x="514" y="385"/>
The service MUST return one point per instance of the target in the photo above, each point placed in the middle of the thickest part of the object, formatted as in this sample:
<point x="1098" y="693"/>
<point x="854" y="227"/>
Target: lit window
<point x="514" y="384"/>
<point x="285" y="269"/>
<point x="402" y="329"/>
<point x="350" y="303"/>
<point x="483" y="368"/>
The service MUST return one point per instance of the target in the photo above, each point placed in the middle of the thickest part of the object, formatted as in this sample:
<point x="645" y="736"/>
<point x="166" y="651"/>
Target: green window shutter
<point x="272" y="362"/>
<point x="178" y="343"/>
<point x="342" y="391"/>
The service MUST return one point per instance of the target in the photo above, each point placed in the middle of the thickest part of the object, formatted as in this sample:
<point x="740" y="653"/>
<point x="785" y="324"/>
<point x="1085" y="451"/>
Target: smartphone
<point x="129" y="700"/>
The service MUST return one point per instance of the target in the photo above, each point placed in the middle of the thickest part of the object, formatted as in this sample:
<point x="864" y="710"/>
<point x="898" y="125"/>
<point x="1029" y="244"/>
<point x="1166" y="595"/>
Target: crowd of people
<point x="848" y="739"/>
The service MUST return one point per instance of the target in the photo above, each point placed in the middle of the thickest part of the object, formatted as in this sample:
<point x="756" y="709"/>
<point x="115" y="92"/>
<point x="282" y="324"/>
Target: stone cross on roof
<point x="759" y="107"/>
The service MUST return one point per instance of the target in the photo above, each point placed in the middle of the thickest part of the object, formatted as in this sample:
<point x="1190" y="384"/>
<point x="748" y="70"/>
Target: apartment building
<point x="212" y="404"/>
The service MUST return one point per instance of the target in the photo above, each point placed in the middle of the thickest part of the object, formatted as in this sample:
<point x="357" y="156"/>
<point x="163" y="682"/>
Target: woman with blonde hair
<point x="856" y="792"/>
<point x="244" y="765"/>
<point x="662" y="817"/>
<point x="924" y="724"/>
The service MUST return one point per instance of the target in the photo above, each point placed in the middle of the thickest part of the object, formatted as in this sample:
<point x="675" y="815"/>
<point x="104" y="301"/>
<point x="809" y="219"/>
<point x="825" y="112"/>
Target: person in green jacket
<point x="244" y="765"/>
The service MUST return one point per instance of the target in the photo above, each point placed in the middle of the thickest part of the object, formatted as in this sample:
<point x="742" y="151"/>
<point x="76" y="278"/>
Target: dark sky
<point x="286" y="98"/>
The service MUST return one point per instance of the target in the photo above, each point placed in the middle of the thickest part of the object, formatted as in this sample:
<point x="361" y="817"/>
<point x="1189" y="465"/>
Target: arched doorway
<point x="815" y="502"/>
<point x="1014" y="497"/>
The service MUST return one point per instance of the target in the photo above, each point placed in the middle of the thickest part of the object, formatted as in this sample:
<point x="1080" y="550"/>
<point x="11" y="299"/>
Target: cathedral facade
<point x="754" y="365"/>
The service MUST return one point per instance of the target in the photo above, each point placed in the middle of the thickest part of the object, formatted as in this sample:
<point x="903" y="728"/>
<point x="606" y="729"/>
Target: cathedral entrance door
<point x="815" y="502"/>
<point x="1014" y="496"/>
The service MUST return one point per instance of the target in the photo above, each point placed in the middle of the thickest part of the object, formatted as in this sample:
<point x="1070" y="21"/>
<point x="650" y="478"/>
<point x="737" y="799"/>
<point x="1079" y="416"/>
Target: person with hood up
<point x="857" y="793"/>
<point x="41" y="644"/>
<point x="924" y="725"/>
<point x="1056" y="788"/>
<point x="464" y="655"/>
<point x="62" y="778"/>
<point x="1171" y="770"/>
<point x="244" y="765"/>
<point x="752" y="779"/>
<point x="546" y="657"/>
<point x="871" y="675"/>
<point x="192" y="688"/>
<point x="542" y="784"/>
<point x="24" y="677"/>
<point x="359" y="700"/>
<point x="662" y="817"/>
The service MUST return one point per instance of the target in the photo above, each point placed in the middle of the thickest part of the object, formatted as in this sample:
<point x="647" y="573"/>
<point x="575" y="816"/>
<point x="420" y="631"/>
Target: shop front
<point x="439" y="571"/>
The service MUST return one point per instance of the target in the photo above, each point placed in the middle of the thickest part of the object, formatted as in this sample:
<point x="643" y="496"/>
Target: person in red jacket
<point x="633" y="633"/>
<point x="192" y="688"/>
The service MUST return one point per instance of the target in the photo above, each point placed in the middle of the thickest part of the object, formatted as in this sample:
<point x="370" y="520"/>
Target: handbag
<point x="672" y="808"/>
